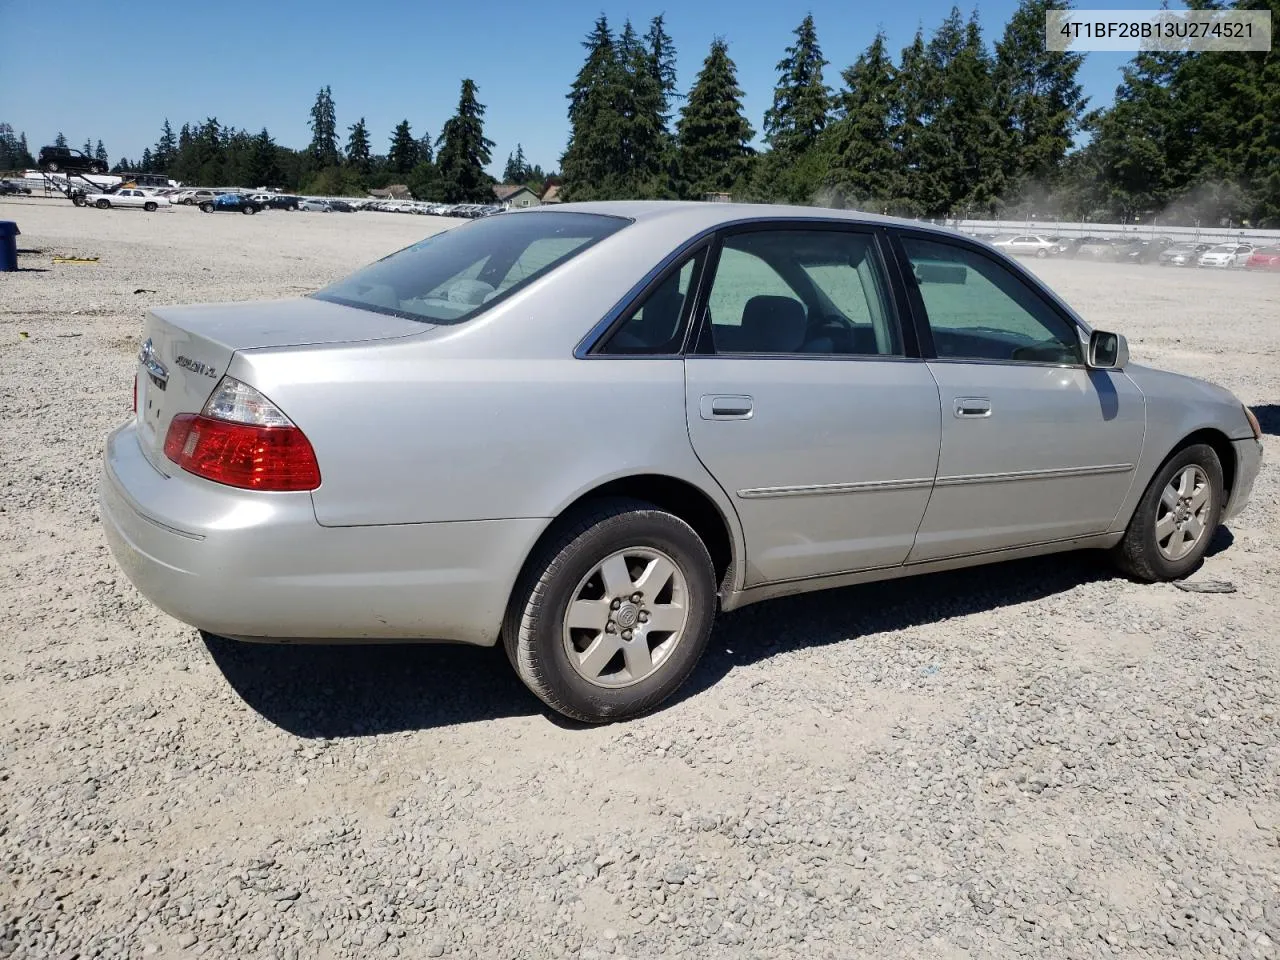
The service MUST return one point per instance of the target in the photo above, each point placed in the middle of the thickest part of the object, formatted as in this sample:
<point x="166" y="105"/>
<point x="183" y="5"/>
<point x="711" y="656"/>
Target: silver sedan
<point x="582" y="431"/>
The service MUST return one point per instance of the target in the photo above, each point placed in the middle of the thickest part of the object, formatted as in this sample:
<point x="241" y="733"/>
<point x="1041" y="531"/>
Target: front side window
<point x="978" y="309"/>
<point x="800" y="291"/>
<point x="453" y="275"/>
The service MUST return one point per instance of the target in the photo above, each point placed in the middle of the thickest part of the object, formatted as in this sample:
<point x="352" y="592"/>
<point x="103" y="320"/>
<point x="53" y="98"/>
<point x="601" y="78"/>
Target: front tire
<point x="103" y="204"/>
<point x="206" y="207"/>
<point x="612" y="613"/>
<point x="249" y="210"/>
<point x="150" y="207"/>
<point x="1041" y="254"/>
<point x="1176" y="518"/>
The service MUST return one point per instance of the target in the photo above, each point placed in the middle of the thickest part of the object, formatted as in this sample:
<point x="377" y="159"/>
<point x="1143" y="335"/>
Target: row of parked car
<point x="1164" y="251"/>
<point x="471" y="211"/>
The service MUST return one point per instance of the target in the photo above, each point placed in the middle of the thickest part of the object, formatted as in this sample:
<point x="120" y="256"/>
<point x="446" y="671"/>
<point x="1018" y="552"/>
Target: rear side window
<point x="454" y="275"/>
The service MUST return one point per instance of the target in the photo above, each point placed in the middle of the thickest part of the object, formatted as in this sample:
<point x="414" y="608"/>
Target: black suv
<point x="8" y="187"/>
<point x="60" y="159"/>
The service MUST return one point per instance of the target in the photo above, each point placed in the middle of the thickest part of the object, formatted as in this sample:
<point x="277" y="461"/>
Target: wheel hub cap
<point x="627" y="615"/>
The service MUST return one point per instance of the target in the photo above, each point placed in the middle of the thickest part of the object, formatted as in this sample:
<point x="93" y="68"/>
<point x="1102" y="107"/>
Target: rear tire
<point x="593" y="569"/>
<point x="249" y="210"/>
<point x="1176" y="519"/>
<point x="1041" y="254"/>
<point x="206" y="207"/>
<point x="52" y="168"/>
<point x="150" y="207"/>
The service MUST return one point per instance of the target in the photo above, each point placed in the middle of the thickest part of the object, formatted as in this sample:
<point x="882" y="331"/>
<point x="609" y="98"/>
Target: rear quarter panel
<point x="493" y="418"/>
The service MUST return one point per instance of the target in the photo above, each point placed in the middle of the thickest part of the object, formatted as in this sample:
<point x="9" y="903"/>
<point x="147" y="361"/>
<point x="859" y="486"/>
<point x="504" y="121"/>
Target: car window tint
<point x="801" y="291"/>
<point x="453" y="275"/>
<point x="657" y="325"/>
<point x="980" y="310"/>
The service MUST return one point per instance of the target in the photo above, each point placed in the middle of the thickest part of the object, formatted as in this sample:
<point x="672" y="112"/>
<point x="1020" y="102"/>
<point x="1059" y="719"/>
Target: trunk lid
<point x="186" y="349"/>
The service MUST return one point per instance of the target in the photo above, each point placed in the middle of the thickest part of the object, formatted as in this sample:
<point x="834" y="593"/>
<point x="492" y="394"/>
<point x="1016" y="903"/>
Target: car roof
<point x="696" y="215"/>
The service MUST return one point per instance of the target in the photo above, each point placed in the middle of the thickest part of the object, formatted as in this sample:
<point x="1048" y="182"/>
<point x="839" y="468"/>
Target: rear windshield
<point x="453" y="275"/>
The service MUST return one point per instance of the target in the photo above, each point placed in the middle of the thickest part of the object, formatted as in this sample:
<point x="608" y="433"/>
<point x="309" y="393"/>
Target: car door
<point x="805" y="402"/>
<point x="1036" y="447"/>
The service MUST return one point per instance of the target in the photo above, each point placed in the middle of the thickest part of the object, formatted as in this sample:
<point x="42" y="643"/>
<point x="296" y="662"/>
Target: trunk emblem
<point x="156" y="370"/>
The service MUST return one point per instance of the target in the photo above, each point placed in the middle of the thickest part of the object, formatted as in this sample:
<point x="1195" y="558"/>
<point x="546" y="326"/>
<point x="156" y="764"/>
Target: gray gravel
<point x="1033" y="760"/>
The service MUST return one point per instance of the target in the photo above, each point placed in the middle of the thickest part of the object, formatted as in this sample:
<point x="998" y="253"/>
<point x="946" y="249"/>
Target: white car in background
<point x="1226" y="255"/>
<point x="127" y="198"/>
<point x="1027" y="245"/>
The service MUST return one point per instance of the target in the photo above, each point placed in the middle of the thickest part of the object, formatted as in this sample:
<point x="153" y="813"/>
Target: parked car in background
<point x="9" y="188"/>
<point x="315" y="206"/>
<point x="128" y="197"/>
<point x="1146" y="251"/>
<point x="1265" y="258"/>
<point x="66" y="160"/>
<point x="1096" y="248"/>
<point x="1182" y="254"/>
<point x="341" y="206"/>
<point x="1226" y="255"/>
<point x="231" y="203"/>
<point x="194" y="197"/>
<point x="276" y="201"/>
<point x="1027" y="245"/>
<point x="270" y="484"/>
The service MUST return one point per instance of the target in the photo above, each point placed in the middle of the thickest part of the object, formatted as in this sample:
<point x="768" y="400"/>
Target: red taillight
<point x="241" y="454"/>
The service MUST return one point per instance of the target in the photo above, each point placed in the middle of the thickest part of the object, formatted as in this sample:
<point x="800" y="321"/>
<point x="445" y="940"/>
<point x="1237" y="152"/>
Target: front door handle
<point x="967" y="407"/>
<point x="724" y="407"/>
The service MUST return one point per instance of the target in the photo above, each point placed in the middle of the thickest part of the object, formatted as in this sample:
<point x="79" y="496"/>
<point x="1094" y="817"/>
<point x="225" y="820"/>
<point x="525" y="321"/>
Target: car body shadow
<point x="1268" y="415"/>
<point x="780" y="626"/>
<point x="352" y="690"/>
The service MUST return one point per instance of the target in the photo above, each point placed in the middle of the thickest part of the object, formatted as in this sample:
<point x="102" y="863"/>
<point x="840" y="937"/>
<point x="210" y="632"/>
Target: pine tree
<point x="593" y="163"/>
<point x="463" y="151"/>
<point x="165" y="149"/>
<point x="25" y="159"/>
<point x="403" y="155"/>
<point x="261" y="167"/>
<point x="801" y="100"/>
<point x="324" y="130"/>
<point x="148" y="162"/>
<point x="641" y="108"/>
<point x="100" y="152"/>
<point x="60" y="140"/>
<point x="862" y="165"/>
<point x="957" y="165"/>
<point x="358" y="147"/>
<point x="517" y="168"/>
<point x="713" y="134"/>
<point x="1039" y="103"/>
<point x="914" y="140"/>
<point x="1138" y="140"/>
<point x="425" y="148"/>
<point x="662" y="60"/>
<point x="87" y="149"/>
<point x="792" y="170"/>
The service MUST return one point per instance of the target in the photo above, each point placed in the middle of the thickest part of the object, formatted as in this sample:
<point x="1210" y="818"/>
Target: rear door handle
<point x="967" y="407"/>
<point x="723" y="407"/>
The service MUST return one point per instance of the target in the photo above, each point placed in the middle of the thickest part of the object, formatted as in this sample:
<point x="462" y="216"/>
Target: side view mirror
<point x="1108" y="351"/>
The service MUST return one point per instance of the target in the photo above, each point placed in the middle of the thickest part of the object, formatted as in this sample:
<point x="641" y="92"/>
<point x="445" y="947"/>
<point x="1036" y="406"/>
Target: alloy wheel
<point x="626" y="617"/>
<point x="1185" y="506"/>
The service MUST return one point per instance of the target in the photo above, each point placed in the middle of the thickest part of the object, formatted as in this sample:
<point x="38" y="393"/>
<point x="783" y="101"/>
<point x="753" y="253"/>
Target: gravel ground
<point x="1037" y="759"/>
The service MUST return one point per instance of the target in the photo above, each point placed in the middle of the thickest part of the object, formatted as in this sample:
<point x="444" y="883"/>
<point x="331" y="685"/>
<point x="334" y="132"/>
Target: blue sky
<point x="260" y="63"/>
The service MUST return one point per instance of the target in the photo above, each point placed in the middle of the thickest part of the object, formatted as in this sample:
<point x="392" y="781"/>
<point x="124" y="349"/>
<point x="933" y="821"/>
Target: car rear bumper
<point x="259" y="566"/>
<point x="1248" y="464"/>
